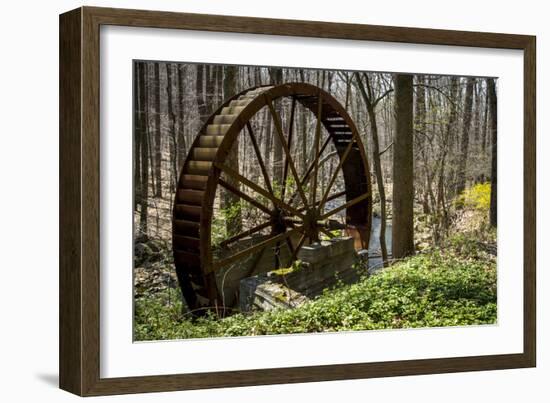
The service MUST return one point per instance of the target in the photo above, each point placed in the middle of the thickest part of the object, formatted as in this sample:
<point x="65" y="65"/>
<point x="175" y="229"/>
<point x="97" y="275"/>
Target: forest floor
<point x="453" y="284"/>
<point x="450" y="286"/>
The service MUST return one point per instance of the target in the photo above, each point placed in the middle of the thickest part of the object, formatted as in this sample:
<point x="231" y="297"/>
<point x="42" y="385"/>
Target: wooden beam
<point x="279" y="132"/>
<point x="239" y="255"/>
<point x="345" y="205"/>
<point x="258" y="189"/>
<point x="290" y="132"/>
<point x="335" y="173"/>
<point x="244" y="196"/>
<point x="245" y="233"/>
<point x="260" y="159"/>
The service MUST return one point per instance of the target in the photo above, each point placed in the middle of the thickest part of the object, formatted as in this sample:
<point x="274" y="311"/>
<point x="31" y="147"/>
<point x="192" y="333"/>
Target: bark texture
<point x="403" y="190"/>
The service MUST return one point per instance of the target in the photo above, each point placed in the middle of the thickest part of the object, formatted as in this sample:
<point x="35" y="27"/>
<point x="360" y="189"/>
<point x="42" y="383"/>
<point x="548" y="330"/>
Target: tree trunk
<point x="157" y="145"/>
<point x="368" y="98"/>
<point x="141" y="128"/>
<point x="219" y="85"/>
<point x="137" y="136"/>
<point x="181" y="146"/>
<point x="420" y="140"/>
<point x="303" y="130"/>
<point x="172" y="123"/>
<point x="276" y="75"/>
<point x="492" y="98"/>
<point x="403" y="189"/>
<point x="464" y="144"/>
<point x="446" y="145"/>
<point x="476" y="119"/>
<point x="211" y="95"/>
<point x="380" y="184"/>
<point x="201" y="99"/>
<point x="234" y="221"/>
<point x="485" y="120"/>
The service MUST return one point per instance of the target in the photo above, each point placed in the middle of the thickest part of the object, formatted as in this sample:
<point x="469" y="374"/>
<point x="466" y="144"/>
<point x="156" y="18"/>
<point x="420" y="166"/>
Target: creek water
<point x="375" y="259"/>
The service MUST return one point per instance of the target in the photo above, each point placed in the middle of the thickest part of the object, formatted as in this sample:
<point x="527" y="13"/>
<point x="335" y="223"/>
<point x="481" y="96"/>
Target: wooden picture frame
<point x="79" y="201"/>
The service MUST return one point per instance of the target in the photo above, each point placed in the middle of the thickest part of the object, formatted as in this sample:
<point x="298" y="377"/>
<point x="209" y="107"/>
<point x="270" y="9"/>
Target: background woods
<point x="428" y="139"/>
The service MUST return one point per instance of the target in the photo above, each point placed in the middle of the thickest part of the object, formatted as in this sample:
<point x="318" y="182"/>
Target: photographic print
<point x="274" y="200"/>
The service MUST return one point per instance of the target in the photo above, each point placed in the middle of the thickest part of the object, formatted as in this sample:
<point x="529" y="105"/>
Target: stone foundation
<point x="322" y="266"/>
<point x="228" y="278"/>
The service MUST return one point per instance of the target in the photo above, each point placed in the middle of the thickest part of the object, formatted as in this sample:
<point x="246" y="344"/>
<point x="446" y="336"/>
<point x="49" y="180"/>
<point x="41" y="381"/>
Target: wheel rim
<point x="294" y="217"/>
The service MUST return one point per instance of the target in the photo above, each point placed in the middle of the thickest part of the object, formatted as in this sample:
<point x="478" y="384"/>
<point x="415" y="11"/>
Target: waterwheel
<point x="291" y="212"/>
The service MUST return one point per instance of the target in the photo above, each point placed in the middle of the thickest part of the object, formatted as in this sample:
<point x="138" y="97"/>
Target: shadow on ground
<point x="49" y="379"/>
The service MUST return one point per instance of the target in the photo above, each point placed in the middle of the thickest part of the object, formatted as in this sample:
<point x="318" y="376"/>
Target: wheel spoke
<point x="328" y="157"/>
<point x="330" y="225"/>
<point x="290" y="132"/>
<point x="313" y="190"/>
<point x="335" y="173"/>
<point x="310" y="168"/>
<point x="244" y="196"/>
<point x="261" y="245"/>
<point x="331" y="197"/>
<point x="258" y="189"/>
<point x="245" y="234"/>
<point x="279" y="131"/>
<point x="345" y="205"/>
<point x="315" y="161"/>
<point x="259" y="157"/>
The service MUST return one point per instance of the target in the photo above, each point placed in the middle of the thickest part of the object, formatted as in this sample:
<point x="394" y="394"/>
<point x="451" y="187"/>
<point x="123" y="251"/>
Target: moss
<point x="283" y="271"/>
<point x="280" y="296"/>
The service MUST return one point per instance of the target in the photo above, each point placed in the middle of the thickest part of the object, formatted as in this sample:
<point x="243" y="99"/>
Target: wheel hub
<point x="278" y="222"/>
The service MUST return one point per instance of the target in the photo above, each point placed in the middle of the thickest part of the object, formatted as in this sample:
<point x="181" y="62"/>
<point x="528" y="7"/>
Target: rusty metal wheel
<point x="289" y="213"/>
